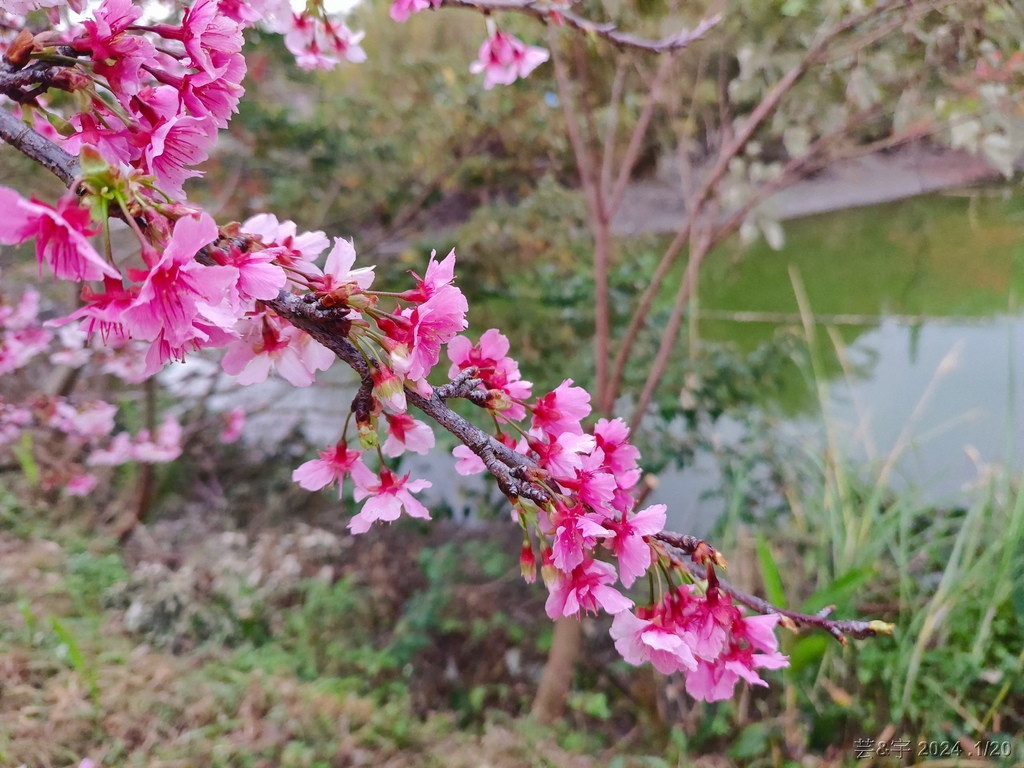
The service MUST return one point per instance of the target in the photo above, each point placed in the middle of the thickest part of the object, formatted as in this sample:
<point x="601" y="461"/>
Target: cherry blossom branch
<point x="517" y="475"/>
<point x="544" y="12"/>
<point x="511" y="470"/>
<point x="699" y="554"/>
<point x="330" y="328"/>
<point x="840" y="629"/>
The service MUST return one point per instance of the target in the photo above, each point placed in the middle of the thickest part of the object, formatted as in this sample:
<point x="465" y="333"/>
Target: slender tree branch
<point x="330" y="328"/>
<point x="590" y="179"/>
<point x="544" y="12"/>
<point x="840" y="629"/>
<point x="35" y="147"/>
<point x="636" y="140"/>
<point x="697" y="557"/>
<point x="750" y="126"/>
<point x="700" y="243"/>
<point x="607" y="154"/>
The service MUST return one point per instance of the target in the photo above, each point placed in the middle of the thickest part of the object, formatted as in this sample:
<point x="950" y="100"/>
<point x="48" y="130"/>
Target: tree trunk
<point x="556" y="681"/>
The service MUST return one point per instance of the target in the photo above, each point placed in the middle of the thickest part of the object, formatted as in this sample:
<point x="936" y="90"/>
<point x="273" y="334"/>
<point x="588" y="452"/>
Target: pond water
<point x="920" y="297"/>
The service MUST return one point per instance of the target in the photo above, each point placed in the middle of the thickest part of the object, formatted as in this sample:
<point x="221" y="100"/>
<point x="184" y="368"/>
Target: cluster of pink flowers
<point x="402" y="347"/>
<point x="503" y="59"/>
<point x="21" y="336"/>
<point x="175" y="85"/>
<point x="84" y="431"/>
<point x="589" y="478"/>
<point x="703" y="636"/>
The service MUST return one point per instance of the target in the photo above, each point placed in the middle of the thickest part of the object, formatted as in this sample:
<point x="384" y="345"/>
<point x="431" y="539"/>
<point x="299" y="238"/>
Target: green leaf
<point x="807" y="652"/>
<point x="838" y="593"/>
<point x="752" y="742"/>
<point x="770" y="573"/>
<point x="77" y="658"/>
<point x="794" y="7"/>
<point x="27" y="461"/>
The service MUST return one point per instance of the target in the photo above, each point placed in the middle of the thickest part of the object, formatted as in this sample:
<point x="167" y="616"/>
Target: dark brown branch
<point x="840" y="629"/>
<point x="35" y="147"/>
<point x="330" y="328"/>
<point x="699" y="556"/>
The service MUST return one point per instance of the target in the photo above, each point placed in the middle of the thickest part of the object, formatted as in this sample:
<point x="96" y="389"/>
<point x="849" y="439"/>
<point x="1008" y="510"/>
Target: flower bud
<point x="367" y="431"/>
<point x="548" y="572"/>
<point x="361" y="301"/>
<point x="389" y="389"/>
<point x="528" y="562"/>
<point x="18" y="51"/>
<point x="498" y="400"/>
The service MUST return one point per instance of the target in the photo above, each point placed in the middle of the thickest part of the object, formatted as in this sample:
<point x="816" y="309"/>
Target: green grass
<point x="951" y="580"/>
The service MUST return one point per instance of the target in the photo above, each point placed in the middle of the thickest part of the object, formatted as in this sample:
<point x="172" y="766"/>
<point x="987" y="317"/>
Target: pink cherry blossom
<point x="234" y="423"/>
<point x="305" y="247"/>
<point x="334" y="463"/>
<point x="118" y="452"/>
<point x="586" y="588"/>
<point x="207" y="34"/>
<point x="118" y="55"/>
<point x="289" y="249"/>
<point x="613" y="438"/>
<point x="716" y="681"/>
<point x="172" y="142"/>
<point x="258" y="276"/>
<point x="710" y="619"/>
<point x="21" y="338"/>
<point x="340" y="280"/>
<point x="386" y="497"/>
<point x="109" y="136"/>
<point x="439" y="275"/>
<point x="103" y="311"/>
<point x="562" y="410"/>
<point x="18" y="347"/>
<point x="320" y="44"/>
<point x="468" y="462"/>
<point x="493" y="346"/>
<point x="61" y="235"/>
<point x="495" y="369"/>
<point x="165" y="445"/>
<point x="575" y="532"/>
<point x="758" y="631"/>
<point x="640" y="640"/>
<point x="81" y="484"/>
<point x="407" y="434"/>
<point x="90" y="421"/>
<point x="401" y="10"/>
<point x="267" y="344"/>
<point x="239" y="11"/>
<point x="275" y="15"/>
<point x="388" y="388"/>
<point x="178" y="292"/>
<point x="504" y="59"/>
<point x="433" y="323"/>
<point x="592" y="483"/>
<point x="206" y="95"/>
<point x="629" y="546"/>
<point x="562" y="456"/>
